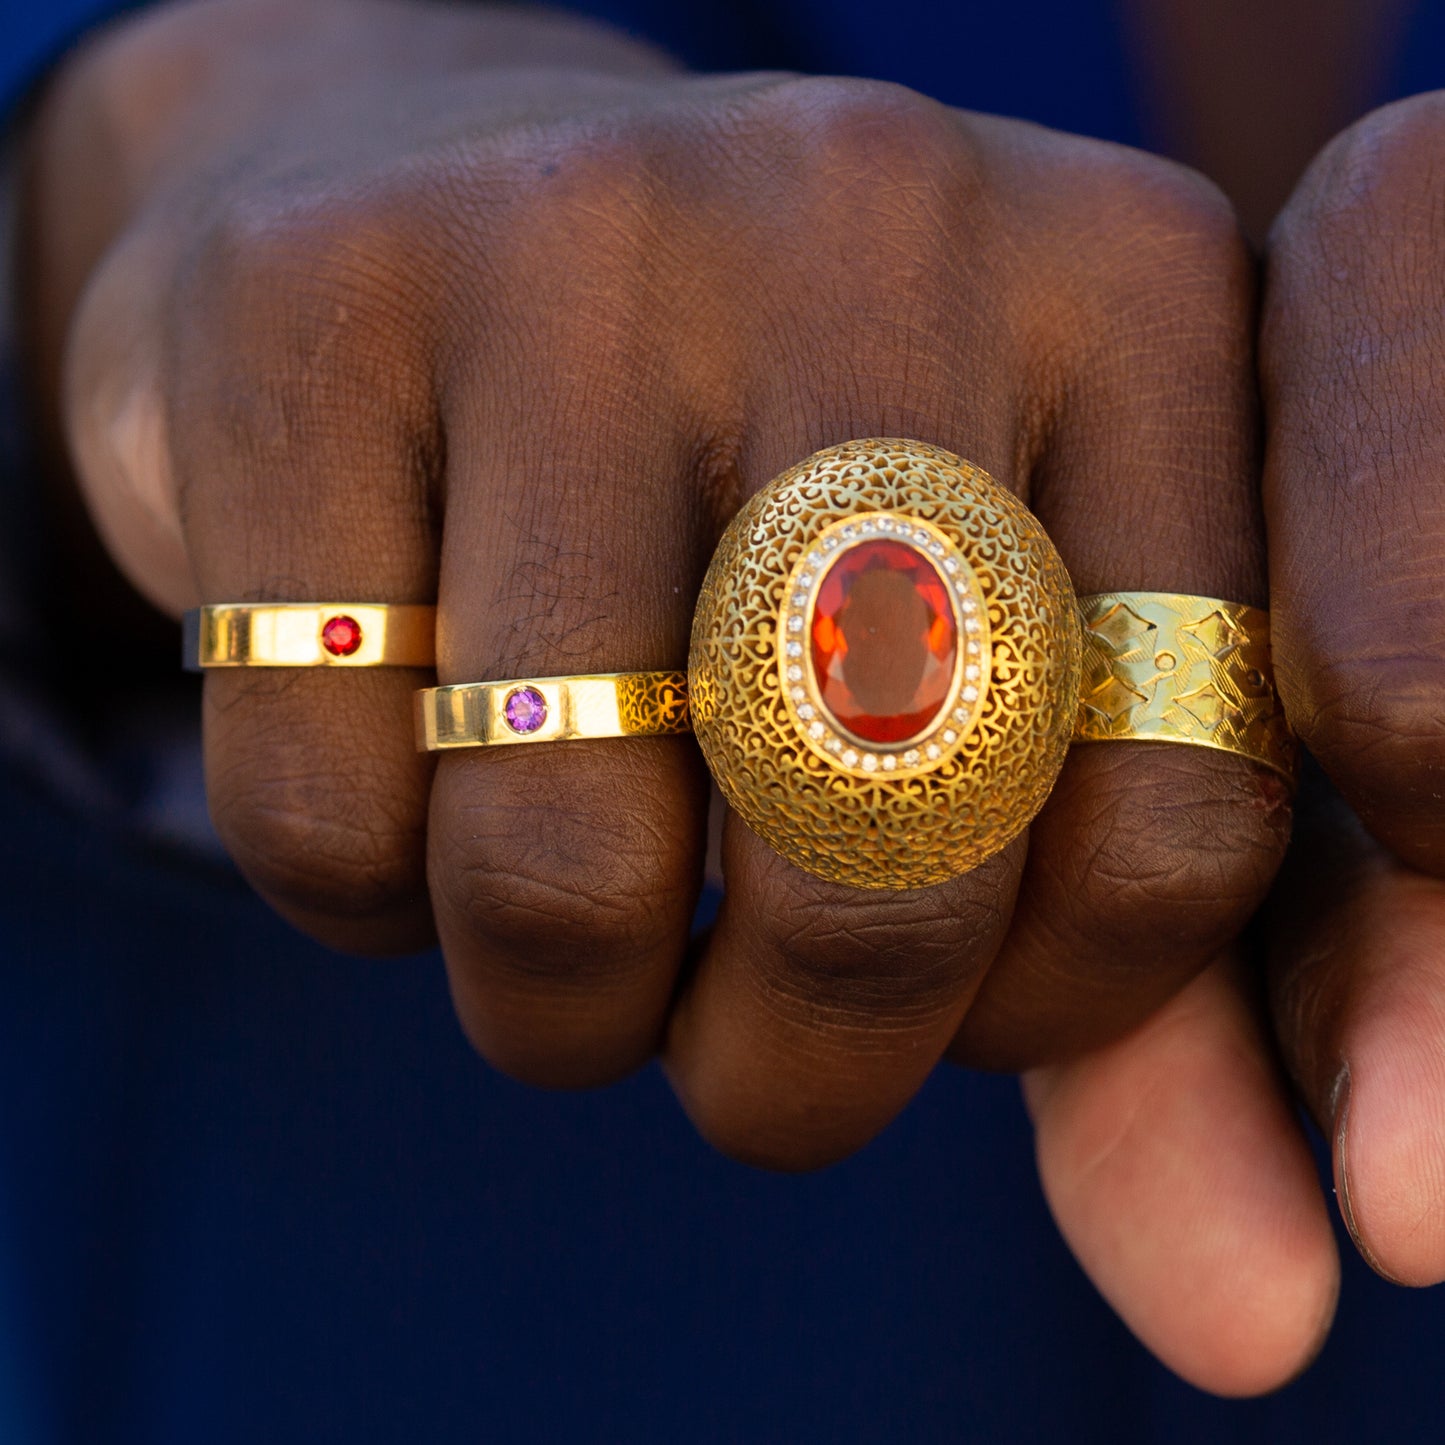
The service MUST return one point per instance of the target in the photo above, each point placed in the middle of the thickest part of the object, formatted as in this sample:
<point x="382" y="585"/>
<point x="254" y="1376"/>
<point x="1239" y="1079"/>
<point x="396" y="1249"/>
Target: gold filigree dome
<point x="883" y="818"/>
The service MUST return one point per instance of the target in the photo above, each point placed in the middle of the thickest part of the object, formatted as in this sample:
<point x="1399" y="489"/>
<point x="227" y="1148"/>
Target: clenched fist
<point x="382" y="302"/>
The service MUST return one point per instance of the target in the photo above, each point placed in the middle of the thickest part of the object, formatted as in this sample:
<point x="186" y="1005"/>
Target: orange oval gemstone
<point x="884" y="641"/>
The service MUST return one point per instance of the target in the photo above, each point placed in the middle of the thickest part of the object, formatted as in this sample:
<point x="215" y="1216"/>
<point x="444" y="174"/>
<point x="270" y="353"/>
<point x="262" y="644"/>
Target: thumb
<point x="1176" y="1172"/>
<point x="116" y="421"/>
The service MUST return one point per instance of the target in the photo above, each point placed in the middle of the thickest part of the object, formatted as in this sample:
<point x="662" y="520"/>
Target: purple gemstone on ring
<point x="525" y="710"/>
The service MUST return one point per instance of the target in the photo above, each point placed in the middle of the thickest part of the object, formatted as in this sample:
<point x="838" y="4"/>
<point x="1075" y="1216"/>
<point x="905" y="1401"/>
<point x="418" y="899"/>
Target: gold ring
<point x="888" y="665"/>
<point x="309" y="634"/>
<point x="1168" y="667"/>
<point x="551" y="709"/>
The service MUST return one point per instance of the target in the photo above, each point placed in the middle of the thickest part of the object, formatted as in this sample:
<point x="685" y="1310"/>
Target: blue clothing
<point x="254" y="1191"/>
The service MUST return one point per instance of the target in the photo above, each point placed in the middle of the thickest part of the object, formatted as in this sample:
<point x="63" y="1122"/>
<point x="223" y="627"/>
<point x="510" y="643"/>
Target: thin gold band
<point x="1169" y="667"/>
<point x="551" y="709"/>
<point x="309" y="634"/>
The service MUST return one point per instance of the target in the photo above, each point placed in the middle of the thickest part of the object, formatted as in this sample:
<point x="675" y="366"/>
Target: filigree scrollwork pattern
<point x="652" y="703"/>
<point x="886" y="831"/>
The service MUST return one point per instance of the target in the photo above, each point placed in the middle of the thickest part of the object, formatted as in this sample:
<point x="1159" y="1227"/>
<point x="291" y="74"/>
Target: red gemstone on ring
<point x="341" y="635"/>
<point x="885" y="642"/>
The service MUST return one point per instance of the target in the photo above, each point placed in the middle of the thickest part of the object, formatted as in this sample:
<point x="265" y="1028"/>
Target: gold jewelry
<point x="886" y="661"/>
<point x="551" y="709"/>
<point x="309" y="634"/>
<point x="1165" y="667"/>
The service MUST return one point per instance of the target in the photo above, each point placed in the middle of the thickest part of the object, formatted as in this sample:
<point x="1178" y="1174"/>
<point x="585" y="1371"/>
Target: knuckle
<point x="294" y="315"/>
<point x="909" y="151"/>
<point x="582" y="186"/>
<point x="1154" y="251"/>
<point x="558" y="891"/>
<point x="1169" y="849"/>
<point x="518" y="901"/>
<point x="1178" y="229"/>
<point x="857" y="117"/>
<point x="306" y="287"/>
<point x="1179" y="205"/>
<point x="1377" y="726"/>
<point x="839" y="960"/>
<point x="1354" y="281"/>
<point x="1383" y="171"/>
<point x="890" y="191"/>
<point x="331" y="846"/>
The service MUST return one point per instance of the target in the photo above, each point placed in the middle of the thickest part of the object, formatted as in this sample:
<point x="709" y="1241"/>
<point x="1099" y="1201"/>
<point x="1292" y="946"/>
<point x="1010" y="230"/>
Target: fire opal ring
<point x="888" y="665"/>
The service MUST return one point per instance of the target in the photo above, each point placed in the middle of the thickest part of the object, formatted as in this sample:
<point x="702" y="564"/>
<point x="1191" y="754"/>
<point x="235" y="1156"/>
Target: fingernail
<point x="1340" y="1109"/>
<point x="1340" y="1116"/>
<point x="1339" y="1098"/>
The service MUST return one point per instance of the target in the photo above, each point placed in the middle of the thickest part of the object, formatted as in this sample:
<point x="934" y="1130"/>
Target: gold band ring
<point x="1168" y="667"/>
<point x="889" y="664"/>
<point x="309" y="634"/>
<point x="551" y="709"/>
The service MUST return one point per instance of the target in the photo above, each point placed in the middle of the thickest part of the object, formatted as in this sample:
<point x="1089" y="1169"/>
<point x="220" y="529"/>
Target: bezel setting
<point x="815" y="724"/>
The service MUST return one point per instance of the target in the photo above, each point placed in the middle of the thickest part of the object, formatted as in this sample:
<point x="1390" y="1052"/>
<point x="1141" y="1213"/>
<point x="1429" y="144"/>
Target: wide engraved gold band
<point x="309" y="634"/>
<point x="551" y="709"/>
<point x="1176" y="668"/>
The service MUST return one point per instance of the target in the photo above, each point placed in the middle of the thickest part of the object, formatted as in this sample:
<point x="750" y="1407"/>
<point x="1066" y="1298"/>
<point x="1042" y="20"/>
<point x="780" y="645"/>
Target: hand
<point x="521" y="340"/>
<point x="1353" y="350"/>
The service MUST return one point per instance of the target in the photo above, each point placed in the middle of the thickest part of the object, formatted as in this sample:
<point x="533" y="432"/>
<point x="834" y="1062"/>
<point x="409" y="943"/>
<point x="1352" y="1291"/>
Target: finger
<point x="815" y="1011"/>
<point x="1177" y="1174"/>
<point x="1141" y="412"/>
<point x="1148" y="858"/>
<point x="564" y="876"/>
<point x="1352" y="346"/>
<point x="564" y="956"/>
<point x="301" y="419"/>
<point x="1351" y="343"/>
<point x="1358" y="992"/>
<point x="117" y="420"/>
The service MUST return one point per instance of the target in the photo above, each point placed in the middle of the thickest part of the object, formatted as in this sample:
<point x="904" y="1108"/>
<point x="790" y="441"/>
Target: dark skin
<point x="1352" y="348"/>
<point x="378" y="300"/>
